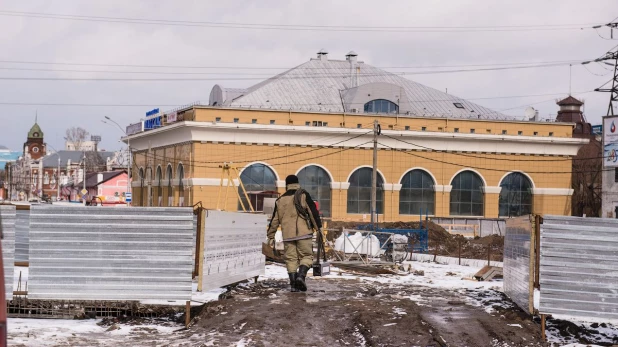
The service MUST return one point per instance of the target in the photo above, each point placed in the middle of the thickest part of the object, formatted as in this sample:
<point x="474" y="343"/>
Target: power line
<point x="286" y="77"/>
<point x="346" y="68"/>
<point x="300" y="27"/>
<point x="454" y="99"/>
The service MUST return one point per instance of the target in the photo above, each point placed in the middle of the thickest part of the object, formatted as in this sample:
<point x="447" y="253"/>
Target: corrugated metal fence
<point x="579" y="266"/>
<point x="7" y="227"/>
<point x="22" y="230"/>
<point x="232" y="248"/>
<point x="111" y="253"/>
<point x="518" y="266"/>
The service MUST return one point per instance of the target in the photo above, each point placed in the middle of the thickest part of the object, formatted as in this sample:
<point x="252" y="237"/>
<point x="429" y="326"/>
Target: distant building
<point x="88" y="146"/>
<point x="586" y="175"/>
<point x="107" y="188"/>
<point x="36" y="173"/>
<point x="438" y="154"/>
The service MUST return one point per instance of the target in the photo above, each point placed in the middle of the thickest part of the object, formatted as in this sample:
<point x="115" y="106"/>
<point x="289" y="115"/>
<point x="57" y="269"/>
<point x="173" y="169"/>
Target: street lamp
<point x="128" y="150"/>
<point x="57" y="173"/>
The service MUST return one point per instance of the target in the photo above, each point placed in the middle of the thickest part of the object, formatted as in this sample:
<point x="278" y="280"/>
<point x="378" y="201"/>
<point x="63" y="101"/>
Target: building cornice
<point x="283" y="135"/>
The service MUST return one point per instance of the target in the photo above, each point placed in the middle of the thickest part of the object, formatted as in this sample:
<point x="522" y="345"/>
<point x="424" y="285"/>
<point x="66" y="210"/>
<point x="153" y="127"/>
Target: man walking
<point x="297" y="215"/>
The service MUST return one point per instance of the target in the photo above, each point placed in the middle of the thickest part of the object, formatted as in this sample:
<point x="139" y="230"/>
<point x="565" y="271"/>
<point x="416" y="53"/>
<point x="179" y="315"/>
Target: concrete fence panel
<point x="579" y="267"/>
<point x="22" y="236"/>
<point x="232" y="248"/>
<point x="7" y="228"/>
<point x="110" y="253"/>
<point x="518" y="268"/>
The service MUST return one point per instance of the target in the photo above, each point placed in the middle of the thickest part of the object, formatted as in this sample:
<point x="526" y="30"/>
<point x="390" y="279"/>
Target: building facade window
<point x="381" y="106"/>
<point x="141" y="174"/>
<point x="149" y="188"/>
<point x="316" y="181"/>
<point x="359" y="192"/>
<point x="260" y="182"/>
<point x="417" y="195"/>
<point x="467" y="195"/>
<point x="46" y="178"/>
<point x="515" y="196"/>
<point x="181" y="188"/>
<point x="170" y="193"/>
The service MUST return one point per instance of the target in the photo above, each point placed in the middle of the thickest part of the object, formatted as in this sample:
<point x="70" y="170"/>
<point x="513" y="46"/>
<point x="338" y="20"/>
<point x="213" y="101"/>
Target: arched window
<point x="381" y="106"/>
<point x="260" y="182"/>
<point x="467" y="195"/>
<point x="359" y="192"/>
<point x="170" y="194"/>
<point x="316" y="181"/>
<point x="515" y="196"/>
<point x="417" y="195"/>
<point x="159" y="180"/>
<point x="181" y="191"/>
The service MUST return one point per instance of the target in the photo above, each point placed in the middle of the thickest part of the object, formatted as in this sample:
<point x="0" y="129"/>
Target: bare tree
<point x="77" y="136"/>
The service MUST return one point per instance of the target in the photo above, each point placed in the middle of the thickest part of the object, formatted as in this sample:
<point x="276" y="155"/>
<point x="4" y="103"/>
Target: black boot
<point x="300" y="278"/>
<point x="293" y="282"/>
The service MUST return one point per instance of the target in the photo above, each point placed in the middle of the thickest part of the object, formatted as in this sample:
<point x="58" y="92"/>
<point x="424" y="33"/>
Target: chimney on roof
<point x="323" y="55"/>
<point x="351" y="57"/>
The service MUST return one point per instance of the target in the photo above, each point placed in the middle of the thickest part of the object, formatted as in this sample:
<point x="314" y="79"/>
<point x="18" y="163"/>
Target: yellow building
<point x="441" y="157"/>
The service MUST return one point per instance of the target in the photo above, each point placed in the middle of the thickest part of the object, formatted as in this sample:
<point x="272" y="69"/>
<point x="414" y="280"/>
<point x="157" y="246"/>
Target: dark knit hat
<point x="291" y="179"/>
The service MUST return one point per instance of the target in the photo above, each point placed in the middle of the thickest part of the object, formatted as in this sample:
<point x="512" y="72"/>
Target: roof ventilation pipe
<point x="323" y="55"/>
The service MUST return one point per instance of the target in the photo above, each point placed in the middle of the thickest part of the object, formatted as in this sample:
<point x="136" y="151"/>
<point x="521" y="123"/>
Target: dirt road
<point x="355" y="313"/>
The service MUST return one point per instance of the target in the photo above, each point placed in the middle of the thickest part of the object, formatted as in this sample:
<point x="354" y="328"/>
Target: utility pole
<point x="83" y="195"/>
<point x="614" y="89"/>
<point x="374" y="174"/>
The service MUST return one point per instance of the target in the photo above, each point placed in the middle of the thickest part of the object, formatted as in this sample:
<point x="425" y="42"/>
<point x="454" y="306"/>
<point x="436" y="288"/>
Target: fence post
<point x="489" y="254"/>
<point x="199" y="249"/>
<point x="459" y="247"/>
<point x="537" y="250"/>
<point x="187" y="314"/>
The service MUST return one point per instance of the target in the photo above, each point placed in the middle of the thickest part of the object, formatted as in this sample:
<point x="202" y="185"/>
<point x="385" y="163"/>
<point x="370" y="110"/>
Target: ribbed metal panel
<point x="579" y="266"/>
<point x="22" y="231"/>
<point x="110" y="253"/>
<point x="232" y="248"/>
<point x="7" y="227"/>
<point x="517" y="261"/>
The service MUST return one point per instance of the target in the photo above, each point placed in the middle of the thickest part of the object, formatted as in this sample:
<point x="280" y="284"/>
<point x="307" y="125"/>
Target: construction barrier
<point x="7" y="230"/>
<point x="22" y="235"/>
<point x="579" y="267"/>
<point x="110" y="253"/>
<point x="231" y="247"/>
<point x="518" y="263"/>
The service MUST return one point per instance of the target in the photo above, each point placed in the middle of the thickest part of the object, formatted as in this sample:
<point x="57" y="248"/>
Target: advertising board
<point x="610" y="141"/>
<point x="135" y="128"/>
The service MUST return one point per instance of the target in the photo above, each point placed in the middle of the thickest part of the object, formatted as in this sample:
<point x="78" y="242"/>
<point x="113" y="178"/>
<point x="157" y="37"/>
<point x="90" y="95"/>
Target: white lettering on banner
<point x="172" y="117"/>
<point x="152" y="123"/>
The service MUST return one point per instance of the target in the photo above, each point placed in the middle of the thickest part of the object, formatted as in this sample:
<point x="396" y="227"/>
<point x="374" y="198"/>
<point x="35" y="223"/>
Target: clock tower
<point x="35" y="145"/>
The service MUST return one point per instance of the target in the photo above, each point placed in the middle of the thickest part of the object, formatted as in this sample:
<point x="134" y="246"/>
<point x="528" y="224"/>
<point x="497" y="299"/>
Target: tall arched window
<point x="260" y="182"/>
<point x="417" y="195"/>
<point x="181" y="188"/>
<point x="515" y="196"/>
<point x="159" y="180"/>
<point x="170" y="193"/>
<point x="359" y="192"/>
<point x="381" y="106"/>
<point x="316" y="181"/>
<point x="467" y="195"/>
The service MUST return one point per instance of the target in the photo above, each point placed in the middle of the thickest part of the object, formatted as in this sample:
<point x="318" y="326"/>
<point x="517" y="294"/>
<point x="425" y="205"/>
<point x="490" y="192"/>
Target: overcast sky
<point x="28" y="39"/>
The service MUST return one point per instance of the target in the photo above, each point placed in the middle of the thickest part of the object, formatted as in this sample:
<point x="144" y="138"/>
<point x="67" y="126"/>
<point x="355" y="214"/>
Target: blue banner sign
<point x="597" y="129"/>
<point x="152" y="112"/>
<point x="152" y="123"/>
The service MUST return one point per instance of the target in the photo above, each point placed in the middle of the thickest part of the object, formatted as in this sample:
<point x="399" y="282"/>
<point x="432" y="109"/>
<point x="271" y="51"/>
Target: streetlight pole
<point x="129" y="162"/>
<point x="57" y="174"/>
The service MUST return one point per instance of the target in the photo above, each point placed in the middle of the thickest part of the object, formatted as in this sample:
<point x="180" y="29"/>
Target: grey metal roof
<point x="51" y="160"/>
<point x="317" y="85"/>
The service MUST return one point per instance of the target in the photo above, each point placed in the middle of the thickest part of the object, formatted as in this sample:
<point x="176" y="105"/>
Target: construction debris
<point x="488" y="272"/>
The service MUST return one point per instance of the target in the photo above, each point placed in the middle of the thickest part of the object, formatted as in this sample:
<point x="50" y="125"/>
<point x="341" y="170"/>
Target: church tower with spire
<point x="35" y="146"/>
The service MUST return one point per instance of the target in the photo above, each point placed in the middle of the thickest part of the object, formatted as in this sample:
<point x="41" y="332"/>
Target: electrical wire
<point x="298" y="27"/>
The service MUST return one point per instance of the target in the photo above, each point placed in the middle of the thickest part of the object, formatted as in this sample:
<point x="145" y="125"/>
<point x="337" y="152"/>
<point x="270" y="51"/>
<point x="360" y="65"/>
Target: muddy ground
<point x="353" y="313"/>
